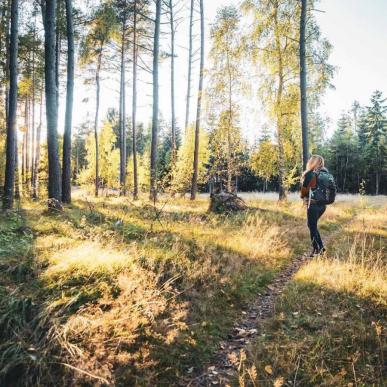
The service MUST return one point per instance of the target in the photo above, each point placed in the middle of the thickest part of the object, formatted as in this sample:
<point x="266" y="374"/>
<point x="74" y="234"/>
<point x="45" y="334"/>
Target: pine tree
<point x="66" y="165"/>
<point x="155" y="116"/>
<point x="224" y="92"/>
<point x="376" y="131"/>
<point x="102" y="28"/>
<point x="195" y="174"/>
<point x="54" y="175"/>
<point x="12" y="107"/>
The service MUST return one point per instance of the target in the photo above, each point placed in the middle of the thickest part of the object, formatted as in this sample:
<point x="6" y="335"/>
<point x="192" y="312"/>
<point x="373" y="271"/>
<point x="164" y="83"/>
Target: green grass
<point x="111" y="291"/>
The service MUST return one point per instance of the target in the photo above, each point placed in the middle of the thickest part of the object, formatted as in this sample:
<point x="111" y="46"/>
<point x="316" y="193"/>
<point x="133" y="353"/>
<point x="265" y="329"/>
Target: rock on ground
<point x="226" y="202"/>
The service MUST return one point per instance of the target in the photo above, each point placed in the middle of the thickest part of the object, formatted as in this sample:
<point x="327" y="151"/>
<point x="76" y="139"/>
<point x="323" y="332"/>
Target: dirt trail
<point x="221" y="370"/>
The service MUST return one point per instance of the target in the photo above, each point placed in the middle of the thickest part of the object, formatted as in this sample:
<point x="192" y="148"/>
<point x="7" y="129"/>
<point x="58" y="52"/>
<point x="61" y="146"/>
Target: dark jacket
<point x="310" y="183"/>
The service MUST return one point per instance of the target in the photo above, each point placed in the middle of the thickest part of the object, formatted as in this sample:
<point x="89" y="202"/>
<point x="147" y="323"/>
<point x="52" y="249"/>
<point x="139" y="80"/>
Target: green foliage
<point x="274" y="36"/>
<point x="223" y="94"/>
<point x="103" y="28"/>
<point x="108" y="161"/>
<point x="184" y="165"/>
<point x="264" y="161"/>
<point x="356" y="152"/>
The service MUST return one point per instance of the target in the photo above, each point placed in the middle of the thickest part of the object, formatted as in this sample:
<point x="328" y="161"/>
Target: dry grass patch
<point x="330" y="324"/>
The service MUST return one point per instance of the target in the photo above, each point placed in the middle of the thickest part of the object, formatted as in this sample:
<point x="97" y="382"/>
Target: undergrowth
<point x="111" y="292"/>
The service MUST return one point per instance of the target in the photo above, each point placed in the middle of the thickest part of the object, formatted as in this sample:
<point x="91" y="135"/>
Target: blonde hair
<point x="315" y="163"/>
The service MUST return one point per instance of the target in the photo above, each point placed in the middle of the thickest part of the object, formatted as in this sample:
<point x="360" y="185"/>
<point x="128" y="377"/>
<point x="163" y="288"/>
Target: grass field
<point x="122" y="293"/>
<point x="329" y="327"/>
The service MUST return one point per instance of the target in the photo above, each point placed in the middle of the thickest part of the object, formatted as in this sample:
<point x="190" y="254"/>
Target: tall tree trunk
<point x="194" y="186"/>
<point x="17" y="178"/>
<point x="26" y="147"/>
<point x="6" y="65"/>
<point x="303" y="86"/>
<point x="345" y="170"/>
<point x="188" y="97"/>
<point x="155" y="117"/>
<point x="35" y="181"/>
<point x="98" y="87"/>
<point x="230" y="123"/>
<point x="12" y="108"/>
<point x="58" y="42"/>
<point x="3" y="38"/>
<point x="54" y="178"/>
<point x="24" y="151"/>
<point x="134" y="103"/>
<point x="66" y="174"/>
<point x="122" y="114"/>
<point x="281" y="150"/>
<point x="173" y="112"/>
<point x="33" y="134"/>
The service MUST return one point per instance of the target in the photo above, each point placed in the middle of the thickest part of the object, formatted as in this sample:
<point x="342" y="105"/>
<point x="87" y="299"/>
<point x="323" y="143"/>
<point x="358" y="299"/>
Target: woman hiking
<point x="318" y="189"/>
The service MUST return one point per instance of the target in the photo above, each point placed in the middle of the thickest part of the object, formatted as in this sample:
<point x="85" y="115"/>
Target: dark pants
<point x="314" y="213"/>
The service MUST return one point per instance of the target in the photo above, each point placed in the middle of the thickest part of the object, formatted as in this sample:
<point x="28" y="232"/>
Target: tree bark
<point x="303" y="86"/>
<point x="230" y="122"/>
<point x="54" y="178"/>
<point x="98" y="87"/>
<point x="58" y="41"/>
<point x="122" y="114"/>
<point x="33" y="129"/>
<point x="35" y="180"/>
<point x="188" y="98"/>
<point x="17" y="178"/>
<point x="134" y="103"/>
<point x="66" y="164"/>
<point x="12" y="107"/>
<point x="173" y="112"/>
<point x="194" y="186"/>
<point x="155" y="118"/>
<point x="281" y="151"/>
<point x="7" y="48"/>
<point x="26" y="147"/>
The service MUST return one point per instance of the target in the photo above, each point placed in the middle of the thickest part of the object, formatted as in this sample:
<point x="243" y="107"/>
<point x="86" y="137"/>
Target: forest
<point x="121" y="124"/>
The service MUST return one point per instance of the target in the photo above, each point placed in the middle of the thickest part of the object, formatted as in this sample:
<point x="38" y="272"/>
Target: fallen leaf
<point x="268" y="369"/>
<point x="279" y="382"/>
<point x="343" y="372"/>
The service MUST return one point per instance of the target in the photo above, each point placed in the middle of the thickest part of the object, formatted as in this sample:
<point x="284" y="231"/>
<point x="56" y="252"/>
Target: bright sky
<point x="356" y="28"/>
<point x="358" y="31"/>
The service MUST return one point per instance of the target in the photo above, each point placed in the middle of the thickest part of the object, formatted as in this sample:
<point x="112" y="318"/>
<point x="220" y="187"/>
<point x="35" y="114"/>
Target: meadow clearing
<point x="115" y="292"/>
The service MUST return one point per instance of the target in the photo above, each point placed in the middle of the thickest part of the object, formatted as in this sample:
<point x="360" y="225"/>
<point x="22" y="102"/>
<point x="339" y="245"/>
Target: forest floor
<point x="111" y="292"/>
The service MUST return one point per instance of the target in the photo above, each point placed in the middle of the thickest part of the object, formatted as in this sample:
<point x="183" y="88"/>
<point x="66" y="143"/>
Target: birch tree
<point x="155" y="113"/>
<point x="194" y="185"/>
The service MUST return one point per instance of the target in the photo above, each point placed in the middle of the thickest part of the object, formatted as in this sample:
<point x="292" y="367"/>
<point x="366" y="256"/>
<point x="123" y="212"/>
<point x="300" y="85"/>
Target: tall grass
<point x="330" y="323"/>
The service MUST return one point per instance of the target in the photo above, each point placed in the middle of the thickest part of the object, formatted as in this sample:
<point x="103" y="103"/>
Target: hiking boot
<point x="313" y="253"/>
<point x="322" y="252"/>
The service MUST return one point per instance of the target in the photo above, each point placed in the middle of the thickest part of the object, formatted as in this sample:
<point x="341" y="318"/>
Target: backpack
<point x="325" y="191"/>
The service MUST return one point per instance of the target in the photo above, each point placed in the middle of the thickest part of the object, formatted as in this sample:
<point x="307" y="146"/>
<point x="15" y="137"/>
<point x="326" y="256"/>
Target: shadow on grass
<point x="213" y="297"/>
<point x="25" y="356"/>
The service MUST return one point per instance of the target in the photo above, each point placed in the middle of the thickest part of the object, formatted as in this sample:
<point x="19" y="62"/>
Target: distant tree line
<point x="357" y="151"/>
